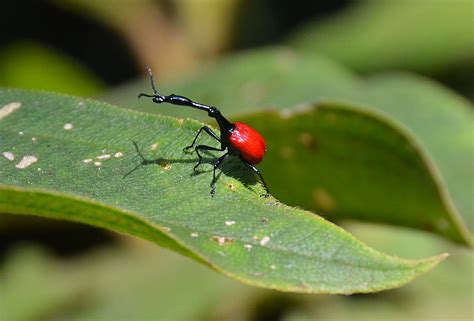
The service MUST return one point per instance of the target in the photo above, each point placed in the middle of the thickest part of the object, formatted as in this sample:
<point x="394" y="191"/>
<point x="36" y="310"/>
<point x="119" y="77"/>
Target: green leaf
<point x="435" y="122"/>
<point x="428" y="36"/>
<point x="252" y="239"/>
<point x="360" y="163"/>
<point x="23" y="65"/>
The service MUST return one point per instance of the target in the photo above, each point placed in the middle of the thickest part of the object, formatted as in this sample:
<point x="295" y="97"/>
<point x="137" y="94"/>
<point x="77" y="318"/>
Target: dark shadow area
<point x="92" y="43"/>
<point x="275" y="306"/>
<point x="64" y="239"/>
<point x="268" y="21"/>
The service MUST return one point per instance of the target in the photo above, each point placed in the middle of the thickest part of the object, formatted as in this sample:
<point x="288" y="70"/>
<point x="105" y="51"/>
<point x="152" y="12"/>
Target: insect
<point x="236" y="139"/>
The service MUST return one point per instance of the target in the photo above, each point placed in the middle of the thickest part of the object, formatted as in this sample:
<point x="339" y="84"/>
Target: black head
<point x="224" y="124"/>
<point x="214" y="112"/>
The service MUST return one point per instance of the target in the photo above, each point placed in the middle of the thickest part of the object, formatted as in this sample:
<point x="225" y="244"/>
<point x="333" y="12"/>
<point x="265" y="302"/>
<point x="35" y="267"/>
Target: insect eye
<point x="158" y="99"/>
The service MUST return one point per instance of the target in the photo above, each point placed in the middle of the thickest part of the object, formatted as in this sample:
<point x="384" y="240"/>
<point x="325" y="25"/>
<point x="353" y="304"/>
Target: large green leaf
<point x="256" y="240"/>
<point x="361" y="165"/>
<point x="428" y="36"/>
<point x="438" y="123"/>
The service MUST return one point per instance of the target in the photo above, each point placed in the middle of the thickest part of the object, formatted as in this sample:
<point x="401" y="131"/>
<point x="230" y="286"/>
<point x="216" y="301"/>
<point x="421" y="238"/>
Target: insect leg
<point x="202" y="148"/>
<point x="216" y="164"/>
<point x="255" y="170"/>
<point x="207" y="130"/>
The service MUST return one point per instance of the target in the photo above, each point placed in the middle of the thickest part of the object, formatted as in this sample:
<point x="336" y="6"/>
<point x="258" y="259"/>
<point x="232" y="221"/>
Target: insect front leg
<point x="208" y="131"/>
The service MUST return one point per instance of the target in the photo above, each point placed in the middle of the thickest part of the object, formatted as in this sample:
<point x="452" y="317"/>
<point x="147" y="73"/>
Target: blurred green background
<point x="61" y="271"/>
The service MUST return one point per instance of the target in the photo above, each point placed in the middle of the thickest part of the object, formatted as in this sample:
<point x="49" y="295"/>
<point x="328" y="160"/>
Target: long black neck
<point x="224" y="124"/>
<point x="213" y="112"/>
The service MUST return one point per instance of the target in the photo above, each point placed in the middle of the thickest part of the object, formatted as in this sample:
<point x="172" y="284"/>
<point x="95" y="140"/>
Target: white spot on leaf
<point x="248" y="247"/>
<point x="26" y="161"/>
<point x="264" y="241"/>
<point x="229" y="223"/>
<point x="219" y="239"/>
<point x="68" y="126"/>
<point x="118" y="154"/>
<point x="9" y="108"/>
<point x="105" y="156"/>
<point x="97" y="163"/>
<point x="89" y="160"/>
<point x="194" y="234"/>
<point x="9" y="155"/>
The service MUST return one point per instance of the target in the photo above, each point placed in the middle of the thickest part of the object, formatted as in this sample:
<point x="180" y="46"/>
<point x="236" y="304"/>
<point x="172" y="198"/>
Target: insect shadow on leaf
<point x="231" y="166"/>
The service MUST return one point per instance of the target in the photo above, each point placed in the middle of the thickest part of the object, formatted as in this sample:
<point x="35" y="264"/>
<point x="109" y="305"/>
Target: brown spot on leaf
<point x="222" y="240"/>
<point x="287" y="152"/>
<point x="323" y="199"/>
<point x="307" y="140"/>
<point x="166" y="165"/>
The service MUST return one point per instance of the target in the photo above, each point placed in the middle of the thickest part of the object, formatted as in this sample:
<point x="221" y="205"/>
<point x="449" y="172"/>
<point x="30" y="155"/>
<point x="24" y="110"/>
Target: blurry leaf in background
<point x="439" y="120"/>
<point x="356" y="166"/>
<point x="150" y="32"/>
<point x="141" y="281"/>
<point x="33" y="286"/>
<point x="68" y="157"/>
<point x="426" y="36"/>
<point x="35" y="66"/>
<point x="207" y="23"/>
<point x="443" y="124"/>
<point x="133" y="282"/>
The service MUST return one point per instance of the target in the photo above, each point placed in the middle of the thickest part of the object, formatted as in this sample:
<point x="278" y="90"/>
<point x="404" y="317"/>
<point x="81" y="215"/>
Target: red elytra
<point x="249" y="142"/>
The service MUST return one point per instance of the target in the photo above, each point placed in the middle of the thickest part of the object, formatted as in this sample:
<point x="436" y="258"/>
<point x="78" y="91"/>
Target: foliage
<point x="435" y="122"/>
<point x="72" y="155"/>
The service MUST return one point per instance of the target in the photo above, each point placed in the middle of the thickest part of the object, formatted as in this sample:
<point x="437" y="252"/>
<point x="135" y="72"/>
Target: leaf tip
<point x="429" y="263"/>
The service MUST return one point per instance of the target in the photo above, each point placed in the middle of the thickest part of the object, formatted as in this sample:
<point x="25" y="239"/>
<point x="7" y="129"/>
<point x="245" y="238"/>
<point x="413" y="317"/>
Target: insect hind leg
<point x="256" y="171"/>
